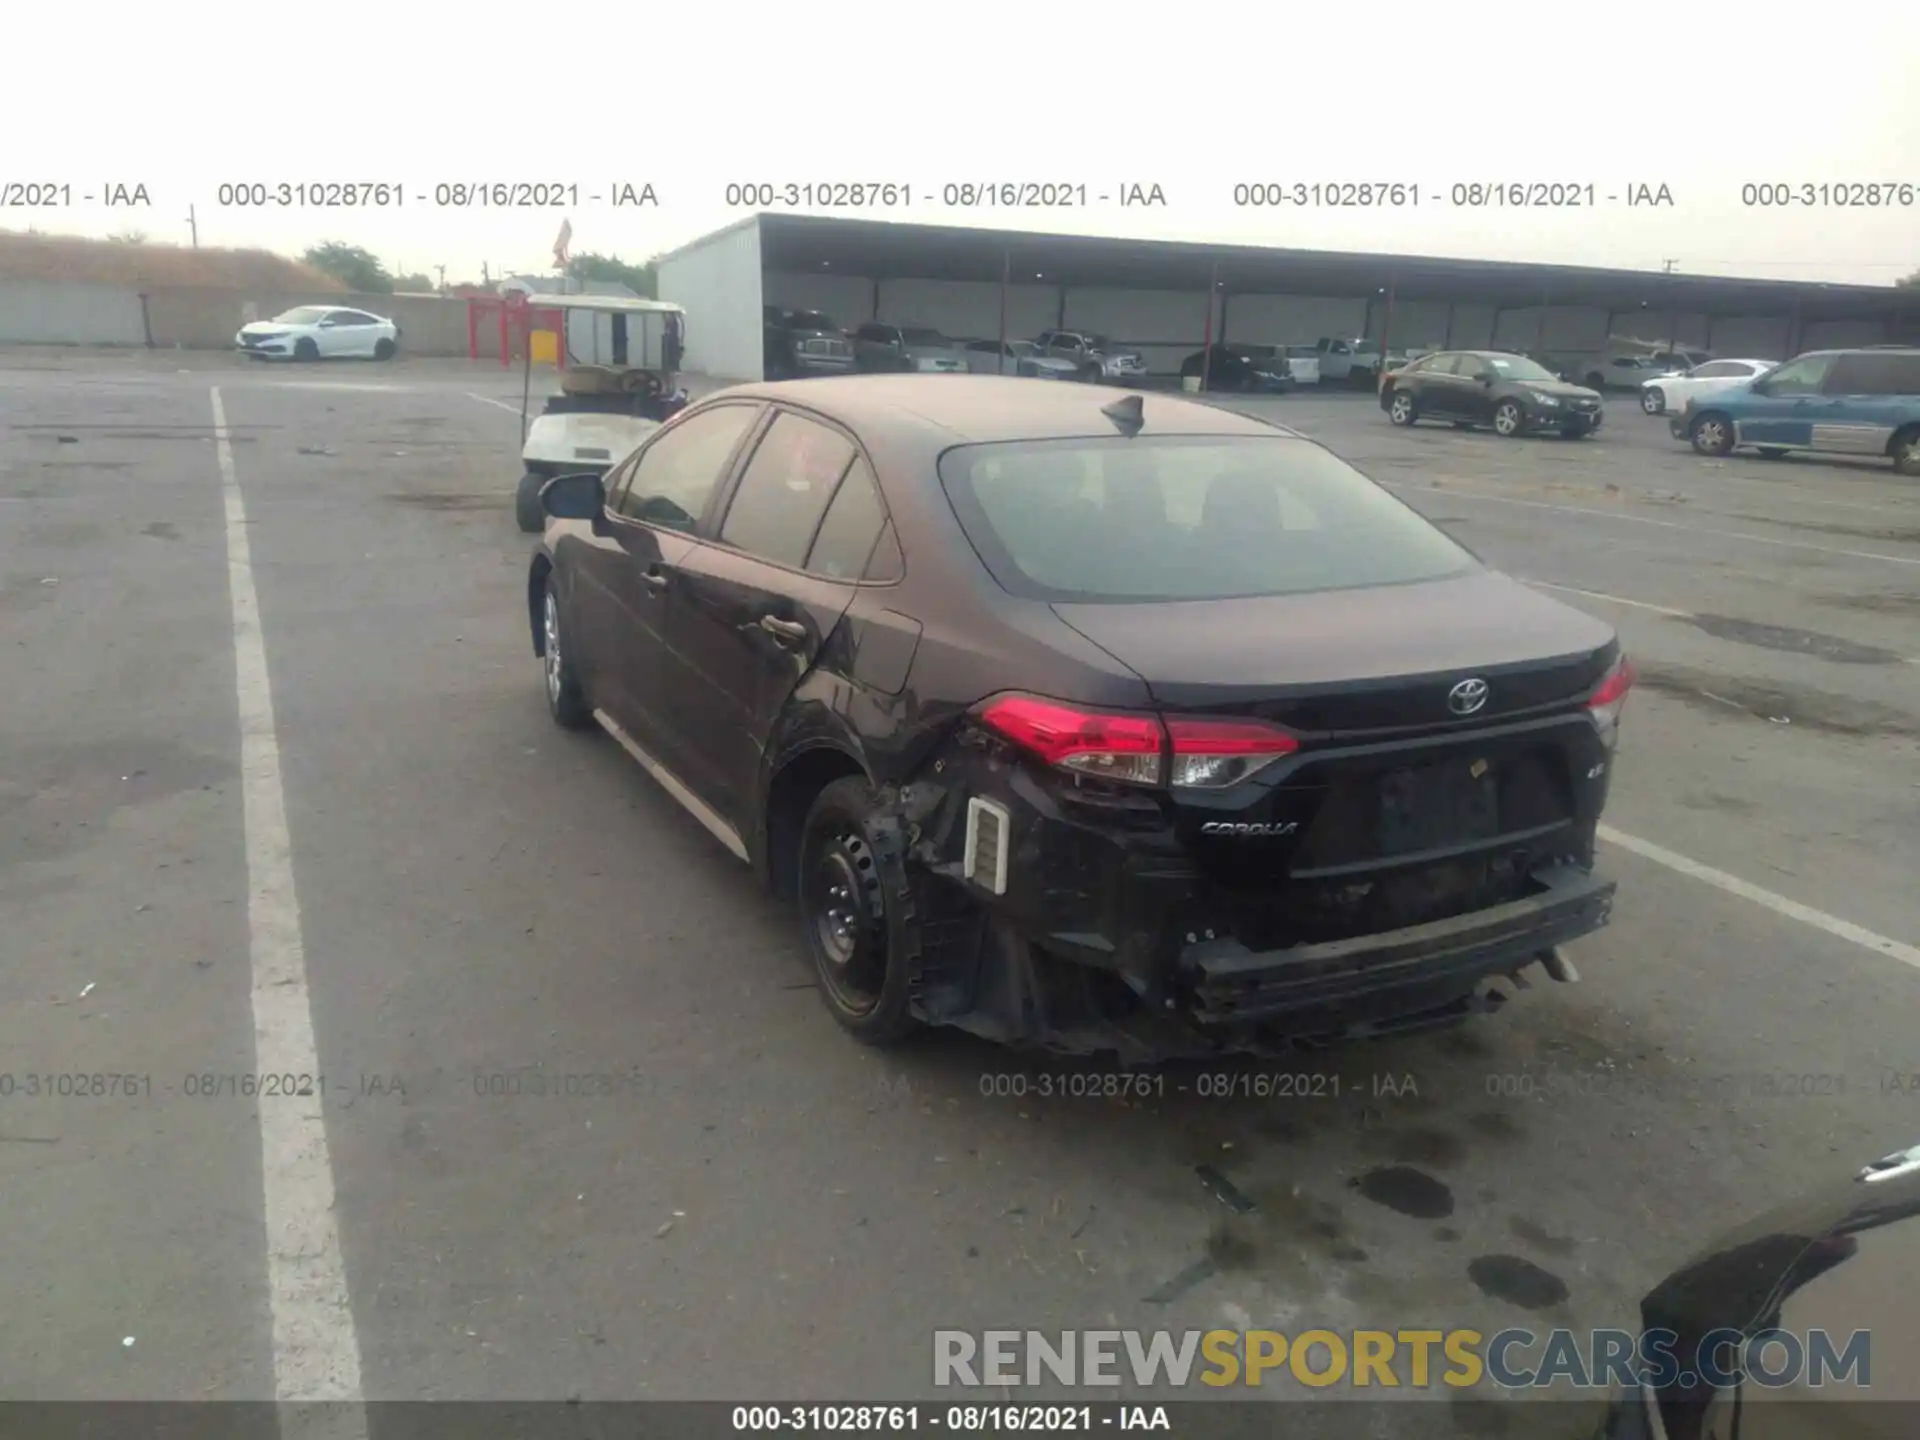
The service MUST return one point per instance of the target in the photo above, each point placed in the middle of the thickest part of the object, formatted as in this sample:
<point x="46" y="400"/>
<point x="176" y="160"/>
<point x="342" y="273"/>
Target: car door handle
<point x="655" y="579"/>
<point x="783" y="630"/>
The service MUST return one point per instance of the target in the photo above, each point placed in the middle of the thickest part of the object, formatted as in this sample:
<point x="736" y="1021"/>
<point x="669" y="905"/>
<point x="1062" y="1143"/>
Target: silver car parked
<point x="882" y="349"/>
<point x="1018" y="357"/>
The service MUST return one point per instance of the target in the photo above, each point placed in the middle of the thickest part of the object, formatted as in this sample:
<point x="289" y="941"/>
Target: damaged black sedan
<point x="1136" y="727"/>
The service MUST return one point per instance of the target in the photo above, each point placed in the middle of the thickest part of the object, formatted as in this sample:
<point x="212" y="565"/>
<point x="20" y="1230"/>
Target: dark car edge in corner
<point x="1830" y="1277"/>
<point x="1509" y="394"/>
<point x="1216" y="748"/>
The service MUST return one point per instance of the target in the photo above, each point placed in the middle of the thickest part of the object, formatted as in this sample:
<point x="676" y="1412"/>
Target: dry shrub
<point x="151" y="266"/>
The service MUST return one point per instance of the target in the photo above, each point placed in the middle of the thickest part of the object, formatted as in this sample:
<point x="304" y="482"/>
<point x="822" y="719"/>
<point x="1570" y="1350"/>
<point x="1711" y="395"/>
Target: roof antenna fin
<point x="1128" y="415"/>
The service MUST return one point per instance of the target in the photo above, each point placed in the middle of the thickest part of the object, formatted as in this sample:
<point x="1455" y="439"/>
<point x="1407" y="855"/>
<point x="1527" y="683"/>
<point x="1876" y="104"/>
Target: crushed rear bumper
<point x="1112" y="936"/>
<point x="1233" y="986"/>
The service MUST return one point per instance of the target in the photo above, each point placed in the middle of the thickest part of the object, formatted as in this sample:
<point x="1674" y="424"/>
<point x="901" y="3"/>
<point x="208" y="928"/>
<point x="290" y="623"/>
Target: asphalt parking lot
<point x="352" y="794"/>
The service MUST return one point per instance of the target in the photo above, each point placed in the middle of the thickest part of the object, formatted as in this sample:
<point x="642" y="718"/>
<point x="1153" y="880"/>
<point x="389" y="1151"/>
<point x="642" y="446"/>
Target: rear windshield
<point x="811" y="320"/>
<point x="1185" y="518"/>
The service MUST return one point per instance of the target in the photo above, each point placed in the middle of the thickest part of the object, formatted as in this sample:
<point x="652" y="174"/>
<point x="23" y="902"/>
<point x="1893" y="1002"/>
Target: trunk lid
<point x="1396" y="810"/>
<point x="1343" y="663"/>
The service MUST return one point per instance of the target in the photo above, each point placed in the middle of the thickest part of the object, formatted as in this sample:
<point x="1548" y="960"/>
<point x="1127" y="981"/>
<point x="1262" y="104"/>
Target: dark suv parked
<point x="804" y="342"/>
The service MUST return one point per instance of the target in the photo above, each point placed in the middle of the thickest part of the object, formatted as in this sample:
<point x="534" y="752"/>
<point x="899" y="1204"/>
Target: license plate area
<point x="1428" y="807"/>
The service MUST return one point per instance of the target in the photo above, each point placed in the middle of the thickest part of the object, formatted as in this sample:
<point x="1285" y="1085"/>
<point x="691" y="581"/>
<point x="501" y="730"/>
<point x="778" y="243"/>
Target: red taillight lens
<point x="1214" y="754"/>
<point x="1609" y="698"/>
<point x="1614" y="686"/>
<point x="1089" y="742"/>
<point x="1207" y="754"/>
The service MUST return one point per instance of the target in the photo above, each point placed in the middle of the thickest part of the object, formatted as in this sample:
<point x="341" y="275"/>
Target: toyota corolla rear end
<point x="1362" y="779"/>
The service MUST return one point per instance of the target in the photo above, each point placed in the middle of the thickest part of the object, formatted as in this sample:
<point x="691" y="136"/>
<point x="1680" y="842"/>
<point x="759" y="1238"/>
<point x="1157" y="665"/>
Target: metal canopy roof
<point x="611" y="304"/>
<point x="884" y="250"/>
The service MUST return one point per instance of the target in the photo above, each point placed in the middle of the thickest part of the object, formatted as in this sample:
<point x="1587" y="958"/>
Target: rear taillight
<point x="1609" y="698"/>
<point x="1137" y="748"/>
<point x="1215" y="754"/>
<point x="1087" y="742"/>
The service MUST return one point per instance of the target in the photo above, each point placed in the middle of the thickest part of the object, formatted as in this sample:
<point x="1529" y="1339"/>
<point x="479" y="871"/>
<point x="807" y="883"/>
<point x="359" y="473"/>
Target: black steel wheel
<point x="843" y="915"/>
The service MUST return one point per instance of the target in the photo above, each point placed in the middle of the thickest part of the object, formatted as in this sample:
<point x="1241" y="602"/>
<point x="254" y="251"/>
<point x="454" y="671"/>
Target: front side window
<point x="1804" y="376"/>
<point x="785" y="489"/>
<point x="677" y="473"/>
<point x="1185" y="518"/>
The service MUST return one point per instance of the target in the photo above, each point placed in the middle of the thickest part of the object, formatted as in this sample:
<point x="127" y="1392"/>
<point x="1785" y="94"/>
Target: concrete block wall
<point x="43" y="312"/>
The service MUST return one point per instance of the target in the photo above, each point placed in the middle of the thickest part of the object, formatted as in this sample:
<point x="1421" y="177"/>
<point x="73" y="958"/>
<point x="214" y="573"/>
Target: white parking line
<point x="316" y="1352"/>
<point x="1779" y="904"/>
<point x="489" y="400"/>
<point x="1668" y="611"/>
<point x="1451" y="493"/>
<point x="1612" y="599"/>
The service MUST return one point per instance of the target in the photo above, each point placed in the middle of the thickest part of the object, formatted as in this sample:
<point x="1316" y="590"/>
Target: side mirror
<point x="1487" y="377"/>
<point x="574" y="497"/>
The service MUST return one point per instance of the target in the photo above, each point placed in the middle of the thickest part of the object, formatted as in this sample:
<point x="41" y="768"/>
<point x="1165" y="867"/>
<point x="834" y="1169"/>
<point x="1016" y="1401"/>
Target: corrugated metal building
<point x="1154" y="295"/>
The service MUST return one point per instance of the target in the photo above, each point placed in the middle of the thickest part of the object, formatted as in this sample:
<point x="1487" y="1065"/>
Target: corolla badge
<point x="1467" y="697"/>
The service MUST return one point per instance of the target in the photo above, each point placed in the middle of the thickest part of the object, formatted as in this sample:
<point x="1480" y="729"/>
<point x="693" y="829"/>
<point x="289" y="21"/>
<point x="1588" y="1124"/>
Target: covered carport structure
<point x="1170" y="298"/>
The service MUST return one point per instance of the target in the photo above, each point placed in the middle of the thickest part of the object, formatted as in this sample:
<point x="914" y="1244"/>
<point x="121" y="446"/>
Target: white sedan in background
<point x="1672" y="392"/>
<point x="320" y="332"/>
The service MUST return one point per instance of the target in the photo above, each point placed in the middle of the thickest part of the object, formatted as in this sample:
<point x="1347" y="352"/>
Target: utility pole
<point x="1673" y="316"/>
<point x="193" y="227"/>
<point x="441" y="271"/>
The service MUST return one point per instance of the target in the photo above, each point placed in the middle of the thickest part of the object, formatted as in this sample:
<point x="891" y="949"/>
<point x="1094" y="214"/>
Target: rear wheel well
<point x="537" y="600"/>
<point x="791" y="795"/>
<point x="1901" y="436"/>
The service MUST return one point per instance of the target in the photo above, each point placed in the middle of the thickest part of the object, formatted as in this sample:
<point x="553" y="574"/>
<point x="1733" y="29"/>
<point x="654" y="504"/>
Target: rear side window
<point x="785" y="489"/>
<point x="1876" y="373"/>
<point x="1185" y="518"/>
<point x="851" y="527"/>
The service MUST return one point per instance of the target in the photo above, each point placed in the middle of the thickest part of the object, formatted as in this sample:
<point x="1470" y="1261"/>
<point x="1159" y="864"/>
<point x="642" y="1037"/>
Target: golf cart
<point x="608" y="403"/>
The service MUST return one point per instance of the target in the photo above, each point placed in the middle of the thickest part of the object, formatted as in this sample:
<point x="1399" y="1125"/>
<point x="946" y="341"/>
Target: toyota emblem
<point x="1467" y="697"/>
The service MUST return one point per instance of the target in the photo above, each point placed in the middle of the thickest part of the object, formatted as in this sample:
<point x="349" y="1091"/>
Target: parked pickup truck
<point x="1353" y="360"/>
<point x="803" y="342"/>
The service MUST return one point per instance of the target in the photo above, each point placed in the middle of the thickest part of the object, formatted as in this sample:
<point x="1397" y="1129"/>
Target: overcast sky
<point x="1194" y="98"/>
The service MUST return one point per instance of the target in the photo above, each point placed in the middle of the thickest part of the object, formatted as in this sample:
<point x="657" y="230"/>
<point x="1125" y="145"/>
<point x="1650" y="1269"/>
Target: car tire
<point x="1401" y="409"/>
<point x="527" y="511"/>
<point x="1595" y="380"/>
<point x="1711" y="434"/>
<point x="566" y="697"/>
<point x="305" y="349"/>
<point x="1654" y="401"/>
<point x="383" y="349"/>
<point x="1509" y="419"/>
<point x="1773" y="452"/>
<point x="844" y="920"/>
<point x="1906" y="451"/>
